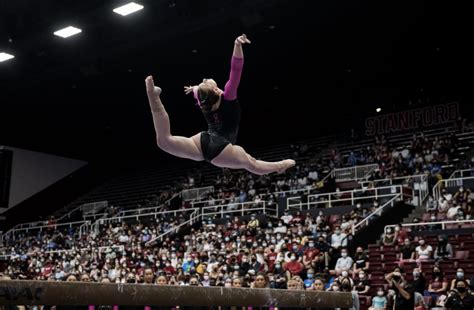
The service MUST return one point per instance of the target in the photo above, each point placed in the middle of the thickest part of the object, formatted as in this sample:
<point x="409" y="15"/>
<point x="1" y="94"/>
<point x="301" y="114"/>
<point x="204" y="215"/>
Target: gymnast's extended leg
<point x="183" y="147"/>
<point x="235" y="157"/>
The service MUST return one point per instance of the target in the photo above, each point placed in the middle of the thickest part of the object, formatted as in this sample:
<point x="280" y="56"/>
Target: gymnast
<point x="221" y="110"/>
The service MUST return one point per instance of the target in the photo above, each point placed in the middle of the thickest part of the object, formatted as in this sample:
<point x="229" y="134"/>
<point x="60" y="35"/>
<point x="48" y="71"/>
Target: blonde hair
<point x="207" y="96"/>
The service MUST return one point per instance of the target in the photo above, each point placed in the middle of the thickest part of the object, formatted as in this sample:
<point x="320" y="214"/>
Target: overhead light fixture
<point x="378" y="110"/>
<point x="5" y="57"/>
<point x="67" y="32"/>
<point x="129" y="8"/>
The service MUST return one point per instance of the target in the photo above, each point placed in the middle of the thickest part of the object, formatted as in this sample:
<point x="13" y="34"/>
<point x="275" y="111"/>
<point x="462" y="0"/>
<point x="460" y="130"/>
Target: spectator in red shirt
<point x="293" y="267"/>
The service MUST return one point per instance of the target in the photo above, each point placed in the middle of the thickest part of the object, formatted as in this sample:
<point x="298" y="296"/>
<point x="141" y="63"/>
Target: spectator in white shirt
<point x="313" y="175"/>
<point x="344" y="263"/>
<point x="338" y="239"/>
<point x="281" y="228"/>
<point x="423" y="251"/>
<point x="286" y="218"/>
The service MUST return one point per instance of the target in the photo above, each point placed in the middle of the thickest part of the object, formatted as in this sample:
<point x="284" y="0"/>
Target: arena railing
<point x="193" y="218"/>
<point x="119" y="218"/>
<point x="328" y="199"/>
<point x="196" y="193"/>
<point x="241" y="209"/>
<point x="443" y="224"/>
<point x="41" y="228"/>
<point x="355" y="173"/>
<point x="449" y="184"/>
<point x="222" y="211"/>
<point x="462" y="173"/>
<point x="419" y="183"/>
<point x="365" y="222"/>
<point x="101" y="249"/>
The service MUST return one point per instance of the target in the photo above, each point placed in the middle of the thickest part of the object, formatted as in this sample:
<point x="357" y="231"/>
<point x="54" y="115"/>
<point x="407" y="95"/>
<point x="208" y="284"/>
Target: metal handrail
<point x="442" y="223"/>
<point x="376" y="212"/>
<point x="437" y="189"/>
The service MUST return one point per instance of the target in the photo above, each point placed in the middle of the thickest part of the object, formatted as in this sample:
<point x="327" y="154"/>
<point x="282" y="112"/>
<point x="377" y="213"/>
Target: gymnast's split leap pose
<point x="221" y="110"/>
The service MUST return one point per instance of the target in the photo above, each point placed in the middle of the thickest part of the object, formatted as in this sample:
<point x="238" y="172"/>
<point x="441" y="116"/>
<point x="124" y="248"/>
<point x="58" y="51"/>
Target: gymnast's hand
<point x="188" y="89"/>
<point x="242" y="40"/>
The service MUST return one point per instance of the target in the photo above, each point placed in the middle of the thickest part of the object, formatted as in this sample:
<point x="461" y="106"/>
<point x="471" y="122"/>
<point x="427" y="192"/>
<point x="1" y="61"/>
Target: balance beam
<point x="81" y="294"/>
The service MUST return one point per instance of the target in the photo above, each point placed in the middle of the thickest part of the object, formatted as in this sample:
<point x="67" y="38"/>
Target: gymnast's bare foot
<point x="286" y="164"/>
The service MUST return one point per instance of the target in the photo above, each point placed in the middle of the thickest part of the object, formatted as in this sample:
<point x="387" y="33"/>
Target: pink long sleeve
<point x="230" y="89"/>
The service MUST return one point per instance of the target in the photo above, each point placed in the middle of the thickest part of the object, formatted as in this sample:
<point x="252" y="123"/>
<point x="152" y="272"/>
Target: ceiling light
<point x="378" y="110"/>
<point x="67" y="32"/>
<point x="5" y="57"/>
<point x="127" y="9"/>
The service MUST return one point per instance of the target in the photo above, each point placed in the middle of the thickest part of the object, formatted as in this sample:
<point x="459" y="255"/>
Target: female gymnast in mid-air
<point x="221" y="110"/>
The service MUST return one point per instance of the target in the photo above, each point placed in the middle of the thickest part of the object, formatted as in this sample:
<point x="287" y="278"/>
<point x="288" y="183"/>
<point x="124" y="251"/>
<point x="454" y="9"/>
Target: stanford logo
<point x="413" y="119"/>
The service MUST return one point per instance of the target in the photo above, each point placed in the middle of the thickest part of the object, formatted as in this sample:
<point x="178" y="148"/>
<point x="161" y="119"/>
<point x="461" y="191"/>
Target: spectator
<point x="379" y="302"/>
<point x="362" y="285"/>
<point x="286" y="218"/>
<point x="253" y="223"/>
<point x="293" y="267"/>
<point x="438" y="284"/>
<point x="432" y="205"/>
<point x="260" y="282"/>
<point x="308" y="283"/>
<point x="404" y="296"/>
<point x="390" y="237"/>
<point x="346" y="286"/>
<point x="419" y="282"/>
<point x="361" y="261"/>
<point x="318" y="285"/>
<point x="460" y="275"/>
<point x="423" y="251"/>
<point x="338" y="239"/>
<point x="344" y="263"/>
<point x="444" y="250"/>
<point x="460" y="298"/>
<point x="407" y="251"/>
<point x="401" y="233"/>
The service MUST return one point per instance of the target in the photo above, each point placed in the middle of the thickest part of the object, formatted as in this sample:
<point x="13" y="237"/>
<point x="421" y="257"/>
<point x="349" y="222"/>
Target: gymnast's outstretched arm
<point x="237" y="63"/>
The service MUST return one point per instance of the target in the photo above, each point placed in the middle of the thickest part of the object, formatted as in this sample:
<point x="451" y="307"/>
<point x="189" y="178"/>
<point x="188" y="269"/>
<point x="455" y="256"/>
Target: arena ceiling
<point x="313" y="67"/>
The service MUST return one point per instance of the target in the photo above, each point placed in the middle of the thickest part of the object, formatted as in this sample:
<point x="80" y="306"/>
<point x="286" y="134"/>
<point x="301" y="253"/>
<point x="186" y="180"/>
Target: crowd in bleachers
<point x="295" y="251"/>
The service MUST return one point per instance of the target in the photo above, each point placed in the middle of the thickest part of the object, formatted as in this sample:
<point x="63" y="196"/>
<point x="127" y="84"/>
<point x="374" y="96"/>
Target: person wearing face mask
<point x="390" y="237"/>
<point x="419" y="281"/>
<point x="310" y="253"/>
<point x="423" y="251"/>
<point x="460" y="298"/>
<point x="432" y="205"/>
<point x="362" y="285"/>
<point x="444" y="250"/>
<point x="308" y="283"/>
<point x="338" y="239"/>
<point x="281" y="228"/>
<point x="379" y="302"/>
<point x="462" y="195"/>
<point x="402" y="234"/>
<point x="253" y="223"/>
<point x="344" y="263"/>
<point x="293" y="267"/>
<point x="460" y="275"/>
<point x="169" y="269"/>
<point x="406" y="251"/>
<point x="361" y="261"/>
<point x="438" y="284"/>
<point x="287" y="217"/>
